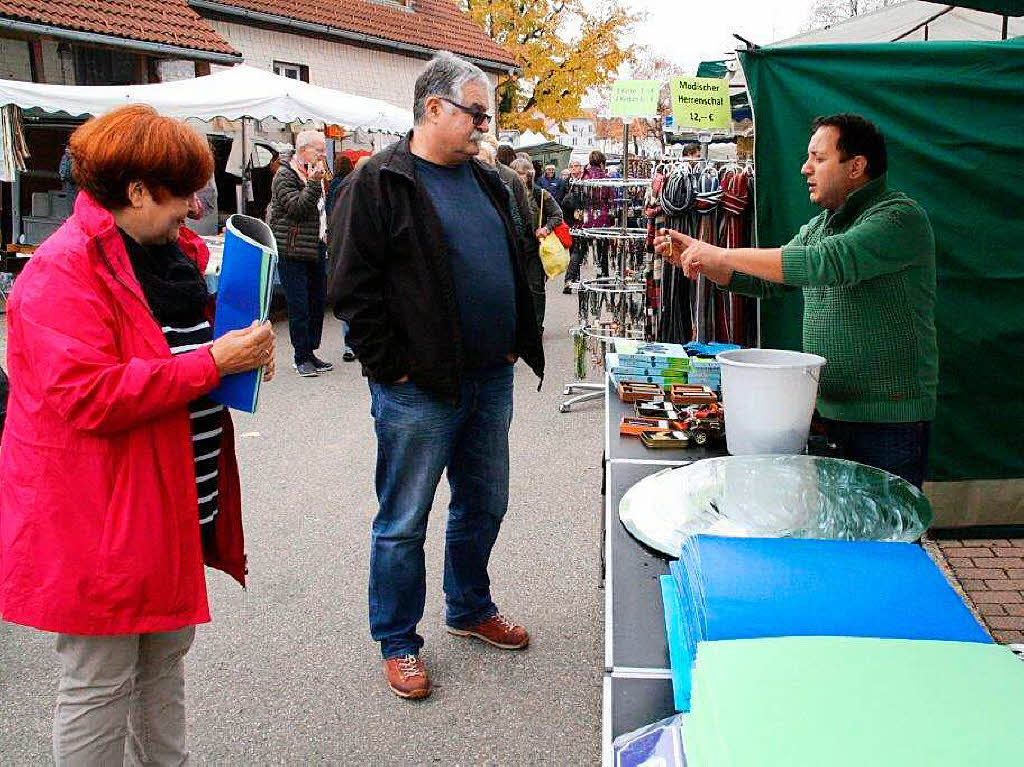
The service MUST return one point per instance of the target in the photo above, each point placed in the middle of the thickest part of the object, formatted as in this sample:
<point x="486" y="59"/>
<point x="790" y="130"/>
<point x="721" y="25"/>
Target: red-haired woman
<point x="117" y="472"/>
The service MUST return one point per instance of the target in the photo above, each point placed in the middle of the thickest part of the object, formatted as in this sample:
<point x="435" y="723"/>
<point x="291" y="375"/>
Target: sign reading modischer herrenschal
<point x="700" y="102"/>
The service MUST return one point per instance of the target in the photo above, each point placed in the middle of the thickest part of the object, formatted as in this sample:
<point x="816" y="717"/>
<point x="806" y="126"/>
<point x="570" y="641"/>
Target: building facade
<point x="94" y="42"/>
<point x="372" y="48"/>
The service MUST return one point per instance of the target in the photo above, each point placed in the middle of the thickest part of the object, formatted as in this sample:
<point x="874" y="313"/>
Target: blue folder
<point x="679" y="657"/>
<point x="748" y="588"/>
<point x="243" y="295"/>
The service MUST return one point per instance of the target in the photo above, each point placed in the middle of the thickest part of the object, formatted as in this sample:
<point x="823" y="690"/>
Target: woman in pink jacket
<point x="117" y="472"/>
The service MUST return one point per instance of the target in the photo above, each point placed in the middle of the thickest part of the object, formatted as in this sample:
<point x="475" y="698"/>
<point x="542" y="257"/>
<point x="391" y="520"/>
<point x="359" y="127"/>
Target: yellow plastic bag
<point x="553" y="254"/>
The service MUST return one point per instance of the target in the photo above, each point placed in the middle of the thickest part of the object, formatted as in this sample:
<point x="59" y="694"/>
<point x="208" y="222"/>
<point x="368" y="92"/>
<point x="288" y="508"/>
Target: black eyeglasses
<point x="479" y="116"/>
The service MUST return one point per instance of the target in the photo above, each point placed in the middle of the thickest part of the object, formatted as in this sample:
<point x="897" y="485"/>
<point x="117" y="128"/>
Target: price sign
<point x="635" y="98"/>
<point x="701" y="102"/>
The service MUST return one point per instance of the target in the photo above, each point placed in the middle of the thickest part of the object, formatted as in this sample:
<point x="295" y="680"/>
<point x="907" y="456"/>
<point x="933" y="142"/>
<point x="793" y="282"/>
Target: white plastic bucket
<point x="769" y="396"/>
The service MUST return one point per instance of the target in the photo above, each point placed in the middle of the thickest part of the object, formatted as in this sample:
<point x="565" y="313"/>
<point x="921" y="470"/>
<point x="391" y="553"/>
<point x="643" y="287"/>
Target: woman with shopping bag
<point x="544" y="211"/>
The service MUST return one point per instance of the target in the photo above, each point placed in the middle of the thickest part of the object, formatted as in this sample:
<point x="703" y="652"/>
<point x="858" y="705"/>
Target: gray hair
<point x="520" y="165"/>
<point x="307" y="137"/>
<point x="444" y="75"/>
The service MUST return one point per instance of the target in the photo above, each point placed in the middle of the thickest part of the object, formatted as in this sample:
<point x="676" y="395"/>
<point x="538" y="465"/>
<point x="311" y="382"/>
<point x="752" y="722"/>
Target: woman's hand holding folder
<point x="238" y="351"/>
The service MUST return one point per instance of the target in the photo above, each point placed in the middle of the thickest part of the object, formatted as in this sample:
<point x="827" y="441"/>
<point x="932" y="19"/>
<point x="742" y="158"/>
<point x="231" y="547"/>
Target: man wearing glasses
<point x="427" y="275"/>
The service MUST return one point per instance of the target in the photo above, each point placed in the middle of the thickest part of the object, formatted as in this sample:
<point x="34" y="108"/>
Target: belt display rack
<point x="612" y="305"/>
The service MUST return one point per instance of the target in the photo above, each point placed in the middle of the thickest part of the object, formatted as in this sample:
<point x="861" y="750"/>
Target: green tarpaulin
<point x="712" y="69"/>
<point x="951" y="114"/>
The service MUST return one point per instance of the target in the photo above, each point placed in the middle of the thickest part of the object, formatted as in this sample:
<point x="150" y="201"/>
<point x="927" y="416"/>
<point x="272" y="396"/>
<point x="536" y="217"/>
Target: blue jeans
<point x="305" y="290"/>
<point x="418" y="437"/>
<point x="898" y="448"/>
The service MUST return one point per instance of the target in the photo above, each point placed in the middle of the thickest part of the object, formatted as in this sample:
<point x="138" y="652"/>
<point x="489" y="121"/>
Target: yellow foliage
<point x="563" y="50"/>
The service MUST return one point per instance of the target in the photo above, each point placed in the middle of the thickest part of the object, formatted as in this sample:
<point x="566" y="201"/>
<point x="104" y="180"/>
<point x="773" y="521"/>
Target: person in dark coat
<point x="552" y="183"/>
<point x="428" y="274"/>
<point x="298" y="219"/>
<point x="544" y="215"/>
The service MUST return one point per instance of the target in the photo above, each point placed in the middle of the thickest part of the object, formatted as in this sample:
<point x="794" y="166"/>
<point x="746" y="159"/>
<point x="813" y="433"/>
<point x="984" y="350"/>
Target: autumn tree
<point x="563" y="48"/>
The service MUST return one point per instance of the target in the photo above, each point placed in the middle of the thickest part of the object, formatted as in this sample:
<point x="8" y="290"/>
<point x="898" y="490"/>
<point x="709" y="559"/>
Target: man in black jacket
<point x="427" y="274"/>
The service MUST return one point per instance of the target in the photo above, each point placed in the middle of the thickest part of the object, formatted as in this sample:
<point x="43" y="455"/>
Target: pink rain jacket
<point x="99" y="530"/>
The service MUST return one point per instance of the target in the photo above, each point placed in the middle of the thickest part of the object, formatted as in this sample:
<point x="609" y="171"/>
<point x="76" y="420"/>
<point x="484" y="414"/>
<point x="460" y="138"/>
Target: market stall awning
<point x="241" y="91"/>
<point x="916" y="20"/>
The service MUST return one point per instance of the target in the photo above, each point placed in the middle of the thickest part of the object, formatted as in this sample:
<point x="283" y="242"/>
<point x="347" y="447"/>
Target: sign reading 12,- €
<point x="700" y="102"/>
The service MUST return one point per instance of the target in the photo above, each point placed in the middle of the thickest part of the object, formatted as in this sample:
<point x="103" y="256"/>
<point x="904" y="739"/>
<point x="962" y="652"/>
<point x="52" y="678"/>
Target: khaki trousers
<point x="121" y="699"/>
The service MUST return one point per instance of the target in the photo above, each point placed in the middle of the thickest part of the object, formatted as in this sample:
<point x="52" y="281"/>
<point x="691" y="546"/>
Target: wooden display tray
<point x="691" y="394"/>
<point x="640" y="392"/>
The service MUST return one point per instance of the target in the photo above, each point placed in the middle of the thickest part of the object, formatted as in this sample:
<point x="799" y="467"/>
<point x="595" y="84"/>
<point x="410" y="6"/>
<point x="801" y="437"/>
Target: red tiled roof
<point x="433" y="24"/>
<point x="170" y="22"/>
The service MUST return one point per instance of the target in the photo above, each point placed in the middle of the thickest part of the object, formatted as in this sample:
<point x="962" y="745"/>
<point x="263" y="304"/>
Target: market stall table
<point x="637" y="681"/>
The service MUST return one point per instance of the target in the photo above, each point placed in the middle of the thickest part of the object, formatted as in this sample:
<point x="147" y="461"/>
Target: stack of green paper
<point x="852" y="702"/>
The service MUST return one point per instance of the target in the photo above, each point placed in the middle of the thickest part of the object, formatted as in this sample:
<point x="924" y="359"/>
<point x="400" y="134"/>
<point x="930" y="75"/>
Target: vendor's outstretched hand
<point x="694" y="256"/>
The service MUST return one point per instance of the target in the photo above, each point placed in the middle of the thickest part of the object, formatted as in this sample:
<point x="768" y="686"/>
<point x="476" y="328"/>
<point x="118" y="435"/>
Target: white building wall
<point x="332" y="64"/>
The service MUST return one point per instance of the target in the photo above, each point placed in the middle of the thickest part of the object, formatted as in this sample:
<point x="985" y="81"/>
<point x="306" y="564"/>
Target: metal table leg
<point x="593" y="391"/>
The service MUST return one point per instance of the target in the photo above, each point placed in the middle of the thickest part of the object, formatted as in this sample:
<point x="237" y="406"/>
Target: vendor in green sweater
<point x="866" y="265"/>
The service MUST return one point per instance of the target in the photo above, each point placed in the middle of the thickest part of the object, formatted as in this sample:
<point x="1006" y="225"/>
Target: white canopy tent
<point x="239" y="92"/>
<point x="913" y="20"/>
<point x="531" y="138"/>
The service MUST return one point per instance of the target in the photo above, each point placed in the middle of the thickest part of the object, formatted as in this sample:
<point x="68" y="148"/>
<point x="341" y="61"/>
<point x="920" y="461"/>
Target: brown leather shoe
<point x="498" y="631"/>
<point x="407" y="677"/>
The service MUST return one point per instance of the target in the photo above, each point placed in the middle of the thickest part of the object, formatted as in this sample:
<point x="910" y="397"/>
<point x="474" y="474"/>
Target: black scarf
<point x="171" y="282"/>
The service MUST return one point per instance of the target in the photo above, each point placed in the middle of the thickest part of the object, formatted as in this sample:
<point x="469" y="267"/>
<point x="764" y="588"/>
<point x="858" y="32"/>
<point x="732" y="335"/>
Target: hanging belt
<point x="732" y="309"/>
<point x="708" y="197"/>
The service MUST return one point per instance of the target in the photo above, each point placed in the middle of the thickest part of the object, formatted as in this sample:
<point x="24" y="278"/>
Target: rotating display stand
<point x="612" y="305"/>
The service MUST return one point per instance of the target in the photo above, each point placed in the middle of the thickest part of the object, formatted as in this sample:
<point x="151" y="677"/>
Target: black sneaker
<point x="306" y="369"/>
<point x="321" y="366"/>
<point x="349" y="355"/>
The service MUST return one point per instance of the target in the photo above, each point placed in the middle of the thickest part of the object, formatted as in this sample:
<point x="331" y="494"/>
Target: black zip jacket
<point x="294" y="215"/>
<point x="391" y="277"/>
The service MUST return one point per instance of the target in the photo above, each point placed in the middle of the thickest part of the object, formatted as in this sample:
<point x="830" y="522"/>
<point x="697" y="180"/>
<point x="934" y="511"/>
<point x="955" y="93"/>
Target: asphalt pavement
<point x="287" y="673"/>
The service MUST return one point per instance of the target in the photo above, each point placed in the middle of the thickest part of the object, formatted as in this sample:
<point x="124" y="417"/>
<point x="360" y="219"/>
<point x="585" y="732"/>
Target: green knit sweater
<point x="867" y="271"/>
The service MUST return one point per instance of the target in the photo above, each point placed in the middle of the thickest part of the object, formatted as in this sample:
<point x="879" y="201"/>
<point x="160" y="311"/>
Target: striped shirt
<point x="205" y="421"/>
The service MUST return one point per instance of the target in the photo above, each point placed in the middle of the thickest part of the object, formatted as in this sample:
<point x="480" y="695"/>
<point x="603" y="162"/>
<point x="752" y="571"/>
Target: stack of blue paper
<point x="747" y="588"/>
